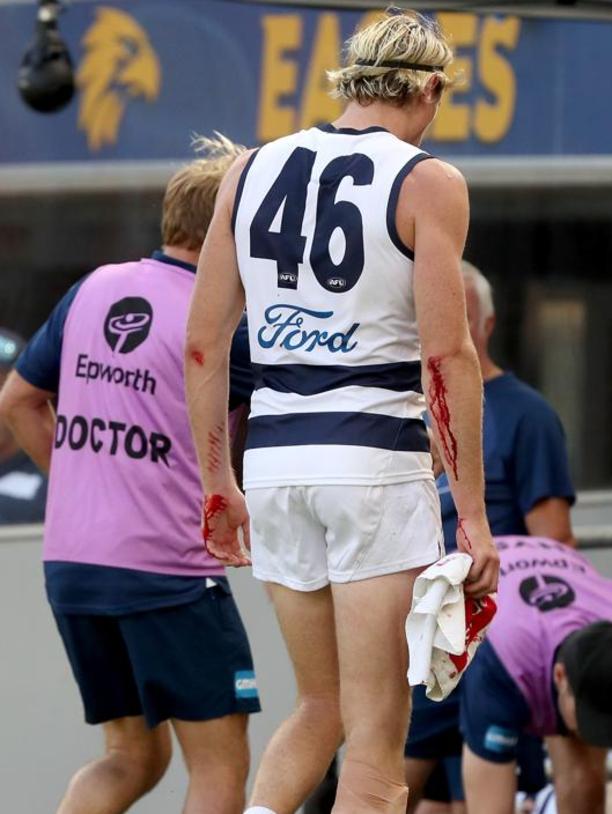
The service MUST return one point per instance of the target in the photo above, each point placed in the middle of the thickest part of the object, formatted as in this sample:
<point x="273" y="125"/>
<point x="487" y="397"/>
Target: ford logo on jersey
<point x="293" y="328"/>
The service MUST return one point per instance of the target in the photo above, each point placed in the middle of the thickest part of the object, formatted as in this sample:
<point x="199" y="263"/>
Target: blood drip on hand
<point x="213" y="505"/>
<point x="438" y="405"/>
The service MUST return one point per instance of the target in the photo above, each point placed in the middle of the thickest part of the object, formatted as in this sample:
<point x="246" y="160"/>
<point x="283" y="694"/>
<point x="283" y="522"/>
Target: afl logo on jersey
<point x="287" y="279"/>
<point x="336" y="283"/>
<point x="128" y="323"/>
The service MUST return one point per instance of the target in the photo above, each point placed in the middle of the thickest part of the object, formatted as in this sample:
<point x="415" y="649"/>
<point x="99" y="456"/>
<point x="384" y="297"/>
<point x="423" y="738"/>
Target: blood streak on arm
<point x="198" y="357"/>
<point x="440" y="411"/>
<point x="461" y="528"/>
<point x="214" y="449"/>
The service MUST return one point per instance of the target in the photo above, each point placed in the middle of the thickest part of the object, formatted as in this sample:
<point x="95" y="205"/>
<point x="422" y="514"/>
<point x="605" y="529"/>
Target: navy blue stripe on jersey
<point x="350" y="131"/>
<point x="346" y="429"/>
<point x="241" y="369"/>
<point x="394" y="198"/>
<point x="309" y="380"/>
<point x="240" y="189"/>
<point x="173" y="261"/>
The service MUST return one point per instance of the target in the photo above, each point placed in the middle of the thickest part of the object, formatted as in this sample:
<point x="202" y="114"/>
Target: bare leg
<point x="579" y="773"/>
<point x="135" y="760"/>
<point x="490" y="788"/>
<point x="370" y="619"/>
<point x="216" y="753"/>
<point x="301" y="750"/>
<point x="417" y="775"/>
<point x="321" y="801"/>
<point x="433" y="807"/>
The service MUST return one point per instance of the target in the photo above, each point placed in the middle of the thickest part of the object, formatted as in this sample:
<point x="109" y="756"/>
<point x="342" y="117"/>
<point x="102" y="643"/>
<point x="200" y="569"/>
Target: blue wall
<point x="153" y="73"/>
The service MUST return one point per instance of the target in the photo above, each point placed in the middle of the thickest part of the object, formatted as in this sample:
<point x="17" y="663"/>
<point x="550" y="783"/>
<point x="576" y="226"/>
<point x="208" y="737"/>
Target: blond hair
<point x="400" y="36"/>
<point x="190" y="196"/>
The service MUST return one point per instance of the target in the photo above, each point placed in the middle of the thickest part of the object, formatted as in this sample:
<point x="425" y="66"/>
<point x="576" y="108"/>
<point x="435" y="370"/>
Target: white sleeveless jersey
<point x="330" y="306"/>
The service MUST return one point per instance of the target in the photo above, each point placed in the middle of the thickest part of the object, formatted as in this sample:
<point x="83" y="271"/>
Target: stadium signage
<point x="482" y="105"/>
<point x="150" y="75"/>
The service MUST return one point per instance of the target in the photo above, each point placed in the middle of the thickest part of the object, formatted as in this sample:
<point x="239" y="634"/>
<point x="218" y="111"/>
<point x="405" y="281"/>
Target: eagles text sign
<point x="151" y="74"/>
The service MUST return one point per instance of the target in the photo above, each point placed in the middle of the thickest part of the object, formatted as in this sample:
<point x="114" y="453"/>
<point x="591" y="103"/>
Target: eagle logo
<point x="119" y="64"/>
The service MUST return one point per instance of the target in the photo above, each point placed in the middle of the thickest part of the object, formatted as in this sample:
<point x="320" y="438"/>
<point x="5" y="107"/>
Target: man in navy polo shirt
<point x="528" y="490"/>
<point x="145" y="613"/>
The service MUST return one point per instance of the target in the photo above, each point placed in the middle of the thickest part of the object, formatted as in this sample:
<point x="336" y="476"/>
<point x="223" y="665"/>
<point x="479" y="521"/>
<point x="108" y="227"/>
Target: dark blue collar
<point x="172" y="261"/>
<point x="350" y="131"/>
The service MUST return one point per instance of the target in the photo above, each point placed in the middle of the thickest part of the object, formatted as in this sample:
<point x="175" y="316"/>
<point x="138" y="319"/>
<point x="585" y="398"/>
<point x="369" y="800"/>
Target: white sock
<point x="259" y="810"/>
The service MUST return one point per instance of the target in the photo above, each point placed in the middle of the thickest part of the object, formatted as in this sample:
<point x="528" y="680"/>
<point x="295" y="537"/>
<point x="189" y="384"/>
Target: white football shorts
<point x="305" y="537"/>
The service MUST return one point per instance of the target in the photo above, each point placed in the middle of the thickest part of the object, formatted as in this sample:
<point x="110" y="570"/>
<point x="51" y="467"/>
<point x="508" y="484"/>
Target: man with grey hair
<point x="528" y="491"/>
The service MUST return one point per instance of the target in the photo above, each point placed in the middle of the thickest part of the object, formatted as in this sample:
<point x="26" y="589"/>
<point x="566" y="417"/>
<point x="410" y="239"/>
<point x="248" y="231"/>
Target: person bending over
<point x="544" y="668"/>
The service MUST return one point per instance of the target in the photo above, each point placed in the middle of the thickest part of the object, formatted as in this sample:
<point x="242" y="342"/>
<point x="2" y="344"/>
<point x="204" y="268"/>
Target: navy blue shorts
<point x="494" y="712"/>
<point x="437" y="730"/>
<point x="445" y="784"/>
<point x="434" y="735"/>
<point x="434" y="726"/>
<point x="191" y="662"/>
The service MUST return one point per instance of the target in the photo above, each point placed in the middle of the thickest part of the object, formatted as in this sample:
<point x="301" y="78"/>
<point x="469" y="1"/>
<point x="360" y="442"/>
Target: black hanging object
<point x="46" y="76"/>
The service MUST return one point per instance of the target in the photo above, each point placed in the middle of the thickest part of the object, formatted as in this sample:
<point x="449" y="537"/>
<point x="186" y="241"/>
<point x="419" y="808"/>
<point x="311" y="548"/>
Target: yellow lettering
<point x="453" y="120"/>
<point x="370" y="18"/>
<point x="317" y="105"/>
<point x="282" y="32"/>
<point x="493" y="119"/>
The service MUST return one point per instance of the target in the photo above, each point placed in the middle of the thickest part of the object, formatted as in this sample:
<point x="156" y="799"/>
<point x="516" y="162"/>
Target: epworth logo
<point x="128" y="323"/>
<point x="546" y="592"/>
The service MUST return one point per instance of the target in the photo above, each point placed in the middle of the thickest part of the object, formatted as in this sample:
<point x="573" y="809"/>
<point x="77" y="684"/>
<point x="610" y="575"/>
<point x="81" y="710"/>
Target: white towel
<point x="440" y="642"/>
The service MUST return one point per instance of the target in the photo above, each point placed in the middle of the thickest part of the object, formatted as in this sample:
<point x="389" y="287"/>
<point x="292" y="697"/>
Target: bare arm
<point x="580" y="775"/>
<point x="28" y="413"/>
<point x="216" y="308"/>
<point x="551" y="518"/>
<point x="433" y="213"/>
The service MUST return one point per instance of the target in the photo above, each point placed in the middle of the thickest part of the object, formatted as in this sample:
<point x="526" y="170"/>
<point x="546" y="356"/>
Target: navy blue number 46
<point x="287" y="246"/>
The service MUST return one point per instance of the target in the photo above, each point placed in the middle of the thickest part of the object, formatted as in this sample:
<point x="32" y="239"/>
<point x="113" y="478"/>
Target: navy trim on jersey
<point x="392" y="205"/>
<point x="240" y="188"/>
<point x="173" y="261"/>
<point x="344" y="428"/>
<point x="77" y="587"/>
<point x="241" y="370"/>
<point x="309" y="380"/>
<point x="350" y="131"/>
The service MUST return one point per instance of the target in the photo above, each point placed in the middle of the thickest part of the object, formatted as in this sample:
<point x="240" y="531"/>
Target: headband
<point x="398" y="64"/>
